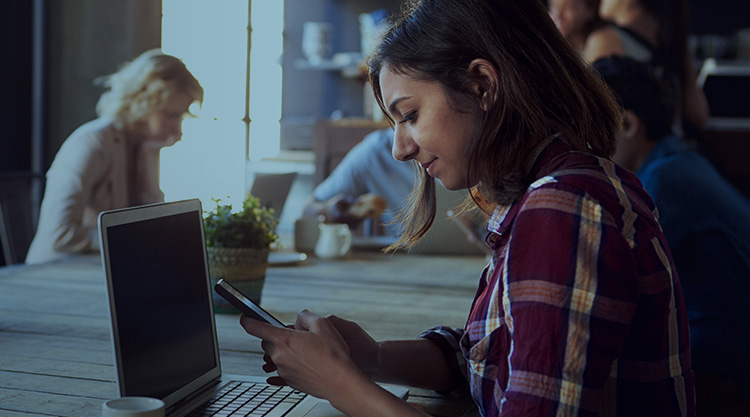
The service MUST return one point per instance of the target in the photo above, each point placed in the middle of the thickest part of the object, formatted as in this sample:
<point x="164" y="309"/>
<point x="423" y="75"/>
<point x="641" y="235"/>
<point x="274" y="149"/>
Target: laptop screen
<point x="160" y="295"/>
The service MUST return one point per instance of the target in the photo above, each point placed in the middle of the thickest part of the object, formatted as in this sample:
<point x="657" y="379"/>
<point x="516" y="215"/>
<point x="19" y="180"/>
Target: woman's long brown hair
<point x="544" y="88"/>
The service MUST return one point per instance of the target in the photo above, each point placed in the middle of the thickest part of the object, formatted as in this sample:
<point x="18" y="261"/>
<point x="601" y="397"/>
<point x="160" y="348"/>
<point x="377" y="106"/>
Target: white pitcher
<point x="334" y="241"/>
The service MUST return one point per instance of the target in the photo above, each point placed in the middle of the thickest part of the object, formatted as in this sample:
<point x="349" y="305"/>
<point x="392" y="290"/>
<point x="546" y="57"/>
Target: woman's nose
<point x="404" y="147"/>
<point x="177" y="128"/>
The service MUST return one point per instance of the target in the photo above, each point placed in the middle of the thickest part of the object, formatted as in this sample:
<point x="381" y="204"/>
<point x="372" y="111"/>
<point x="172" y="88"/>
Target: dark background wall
<point x="83" y="39"/>
<point x="87" y="39"/>
<point x="15" y="73"/>
<point x="719" y="17"/>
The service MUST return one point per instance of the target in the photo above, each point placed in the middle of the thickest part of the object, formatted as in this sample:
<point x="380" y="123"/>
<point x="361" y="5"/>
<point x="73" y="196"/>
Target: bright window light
<point x="211" y="38"/>
<point x="265" y="78"/>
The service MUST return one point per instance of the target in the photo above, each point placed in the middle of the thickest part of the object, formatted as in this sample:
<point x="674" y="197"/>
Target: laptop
<point x="162" y="321"/>
<point x="448" y="236"/>
<point x="273" y="190"/>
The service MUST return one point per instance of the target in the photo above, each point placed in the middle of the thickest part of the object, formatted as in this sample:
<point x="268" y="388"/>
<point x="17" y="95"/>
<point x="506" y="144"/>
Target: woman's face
<point x="164" y="127"/>
<point x="612" y="9"/>
<point x="428" y="127"/>
<point x="570" y="16"/>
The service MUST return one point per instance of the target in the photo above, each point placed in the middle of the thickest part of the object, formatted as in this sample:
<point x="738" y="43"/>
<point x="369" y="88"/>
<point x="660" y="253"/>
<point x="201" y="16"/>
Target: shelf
<point x="348" y="70"/>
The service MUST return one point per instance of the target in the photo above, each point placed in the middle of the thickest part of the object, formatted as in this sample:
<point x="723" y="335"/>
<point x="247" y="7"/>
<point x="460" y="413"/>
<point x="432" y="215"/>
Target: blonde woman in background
<point x="113" y="161"/>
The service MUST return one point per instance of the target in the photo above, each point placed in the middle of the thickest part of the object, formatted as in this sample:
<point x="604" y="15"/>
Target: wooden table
<point x="56" y="355"/>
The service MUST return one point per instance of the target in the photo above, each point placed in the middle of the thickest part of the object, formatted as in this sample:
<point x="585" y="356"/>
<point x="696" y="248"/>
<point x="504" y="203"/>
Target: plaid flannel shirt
<point x="579" y="312"/>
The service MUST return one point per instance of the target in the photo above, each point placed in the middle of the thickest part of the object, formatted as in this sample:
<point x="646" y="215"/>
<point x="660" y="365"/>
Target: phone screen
<point x="244" y="304"/>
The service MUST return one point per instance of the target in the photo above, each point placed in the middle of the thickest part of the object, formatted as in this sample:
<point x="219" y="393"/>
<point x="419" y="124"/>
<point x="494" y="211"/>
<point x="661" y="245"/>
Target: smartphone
<point x="244" y="304"/>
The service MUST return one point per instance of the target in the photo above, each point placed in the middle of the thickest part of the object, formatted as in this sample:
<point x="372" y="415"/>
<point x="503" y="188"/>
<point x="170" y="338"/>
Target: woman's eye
<point x="409" y="117"/>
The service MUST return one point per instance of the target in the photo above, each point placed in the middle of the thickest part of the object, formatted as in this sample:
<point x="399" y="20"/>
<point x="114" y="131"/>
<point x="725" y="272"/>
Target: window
<point x="212" y="39"/>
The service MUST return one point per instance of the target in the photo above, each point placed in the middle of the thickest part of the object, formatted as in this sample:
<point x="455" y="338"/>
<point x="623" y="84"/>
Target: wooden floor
<point x="55" y="349"/>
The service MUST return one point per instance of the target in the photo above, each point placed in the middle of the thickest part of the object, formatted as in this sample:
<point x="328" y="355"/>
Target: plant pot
<point x="243" y="267"/>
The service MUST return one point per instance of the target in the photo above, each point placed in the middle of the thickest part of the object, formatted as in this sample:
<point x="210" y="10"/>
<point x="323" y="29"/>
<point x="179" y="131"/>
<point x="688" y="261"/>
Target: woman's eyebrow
<point x="394" y="104"/>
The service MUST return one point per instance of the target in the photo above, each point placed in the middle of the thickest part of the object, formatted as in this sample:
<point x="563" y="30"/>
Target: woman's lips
<point x="428" y="166"/>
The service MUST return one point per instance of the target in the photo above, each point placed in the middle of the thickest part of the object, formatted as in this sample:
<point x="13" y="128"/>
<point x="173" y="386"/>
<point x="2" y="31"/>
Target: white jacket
<point x="90" y="175"/>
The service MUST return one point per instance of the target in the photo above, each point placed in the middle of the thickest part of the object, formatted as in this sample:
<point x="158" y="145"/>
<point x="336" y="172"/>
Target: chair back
<point x="16" y="223"/>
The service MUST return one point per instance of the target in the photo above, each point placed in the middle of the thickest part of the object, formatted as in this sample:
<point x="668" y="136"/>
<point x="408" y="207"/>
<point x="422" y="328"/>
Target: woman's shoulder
<point x="587" y="177"/>
<point x="92" y="139"/>
<point x="100" y="126"/>
<point x="97" y="132"/>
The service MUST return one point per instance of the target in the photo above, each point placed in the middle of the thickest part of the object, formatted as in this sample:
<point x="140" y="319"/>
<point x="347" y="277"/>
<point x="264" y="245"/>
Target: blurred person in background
<point x="368" y="182"/>
<point x="113" y="161"/>
<point x="576" y="19"/>
<point x="655" y="31"/>
<point x="706" y="222"/>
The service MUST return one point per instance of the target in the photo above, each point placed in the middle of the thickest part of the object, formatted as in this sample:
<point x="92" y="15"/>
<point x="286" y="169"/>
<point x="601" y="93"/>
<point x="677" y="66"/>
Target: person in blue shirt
<point x="705" y="219"/>
<point x="368" y="168"/>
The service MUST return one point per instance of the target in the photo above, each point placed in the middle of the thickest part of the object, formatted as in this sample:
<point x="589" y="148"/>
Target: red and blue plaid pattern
<point x="580" y="312"/>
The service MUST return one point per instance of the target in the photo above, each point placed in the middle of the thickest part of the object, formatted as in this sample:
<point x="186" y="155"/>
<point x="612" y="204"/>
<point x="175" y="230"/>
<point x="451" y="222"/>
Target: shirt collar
<point x="669" y="145"/>
<point x="537" y="166"/>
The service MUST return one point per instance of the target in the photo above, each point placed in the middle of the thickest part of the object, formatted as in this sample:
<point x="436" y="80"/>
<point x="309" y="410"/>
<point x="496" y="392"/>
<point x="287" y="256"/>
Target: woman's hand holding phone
<point x="244" y="304"/>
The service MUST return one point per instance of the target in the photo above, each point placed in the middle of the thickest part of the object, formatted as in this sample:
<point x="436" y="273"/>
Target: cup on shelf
<point x="316" y="41"/>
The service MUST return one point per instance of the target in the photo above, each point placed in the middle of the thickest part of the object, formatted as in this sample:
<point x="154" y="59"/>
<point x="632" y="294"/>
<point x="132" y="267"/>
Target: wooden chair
<point x="334" y="138"/>
<point x="16" y="224"/>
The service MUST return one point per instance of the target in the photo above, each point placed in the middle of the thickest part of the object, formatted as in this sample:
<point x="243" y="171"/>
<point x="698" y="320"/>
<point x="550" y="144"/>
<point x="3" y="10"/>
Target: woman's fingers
<point x="268" y="366"/>
<point x="277" y="380"/>
<point x="306" y="320"/>
<point x="260" y="329"/>
<point x="308" y="357"/>
<point x="311" y="322"/>
<point x="342" y="325"/>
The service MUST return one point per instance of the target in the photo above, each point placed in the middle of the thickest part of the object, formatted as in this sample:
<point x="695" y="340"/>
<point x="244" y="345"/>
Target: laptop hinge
<point x="204" y="391"/>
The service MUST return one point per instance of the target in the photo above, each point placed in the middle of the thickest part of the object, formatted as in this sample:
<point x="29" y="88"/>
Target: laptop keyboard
<point x="249" y="399"/>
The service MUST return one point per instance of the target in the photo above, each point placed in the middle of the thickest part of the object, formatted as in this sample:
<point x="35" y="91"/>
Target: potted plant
<point x="238" y="245"/>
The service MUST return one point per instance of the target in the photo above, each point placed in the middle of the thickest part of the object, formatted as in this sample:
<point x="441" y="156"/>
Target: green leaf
<point x="252" y="227"/>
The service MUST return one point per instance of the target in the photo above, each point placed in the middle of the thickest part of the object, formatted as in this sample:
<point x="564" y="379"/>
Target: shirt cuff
<point x="447" y="340"/>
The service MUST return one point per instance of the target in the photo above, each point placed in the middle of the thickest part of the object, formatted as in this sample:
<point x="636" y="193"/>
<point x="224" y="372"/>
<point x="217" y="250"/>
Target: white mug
<point x="133" y="407"/>
<point x="306" y="232"/>
<point x="334" y="241"/>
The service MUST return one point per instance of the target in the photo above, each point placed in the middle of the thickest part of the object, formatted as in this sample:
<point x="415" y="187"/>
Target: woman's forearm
<point x="416" y="363"/>
<point x="360" y="397"/>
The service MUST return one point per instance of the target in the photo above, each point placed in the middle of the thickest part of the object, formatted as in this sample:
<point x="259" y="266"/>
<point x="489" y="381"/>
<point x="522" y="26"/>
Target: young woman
<point x="113" y="161"/>
<point x="579" y="311"/>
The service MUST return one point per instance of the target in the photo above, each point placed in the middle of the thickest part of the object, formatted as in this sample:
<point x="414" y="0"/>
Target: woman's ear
<point x="630" y="125"/>
<point x="486" y="82"/>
